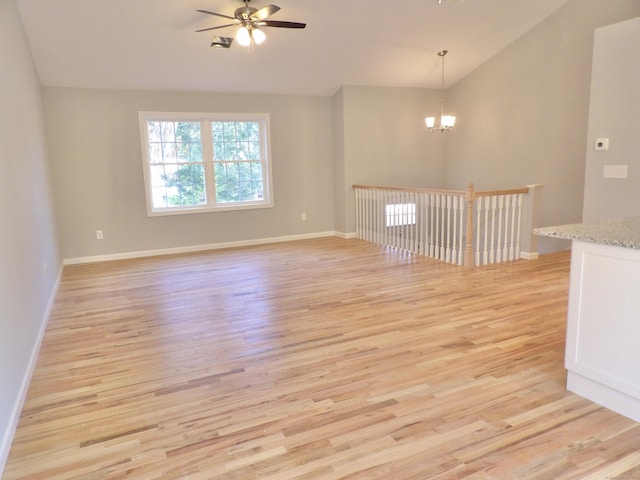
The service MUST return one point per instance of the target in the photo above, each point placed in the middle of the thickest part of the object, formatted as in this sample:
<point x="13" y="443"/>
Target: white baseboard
<point x="14" y="418"/>
<point x="529" y="255"/>
<point x="346" y="236"/>
<point x="200" y="248"/>
<point x="604" y="395"/>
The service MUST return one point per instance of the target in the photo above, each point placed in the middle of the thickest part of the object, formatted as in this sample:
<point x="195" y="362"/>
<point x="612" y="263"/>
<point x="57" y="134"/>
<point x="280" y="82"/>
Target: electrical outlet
<point x="303" y="216"/>
<point x="602" y="144"/>
<point x="99" y="234"/>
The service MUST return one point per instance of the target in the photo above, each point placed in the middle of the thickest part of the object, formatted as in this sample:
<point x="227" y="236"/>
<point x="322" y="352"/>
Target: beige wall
<point x="98" y="180"/>
<point x="29" y="257"/>
<point x="522" y="116"/>
<point x="613" y="114"/>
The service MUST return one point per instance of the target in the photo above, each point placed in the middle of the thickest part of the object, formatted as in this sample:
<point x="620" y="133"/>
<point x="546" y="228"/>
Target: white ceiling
<point x="152" y="44"/>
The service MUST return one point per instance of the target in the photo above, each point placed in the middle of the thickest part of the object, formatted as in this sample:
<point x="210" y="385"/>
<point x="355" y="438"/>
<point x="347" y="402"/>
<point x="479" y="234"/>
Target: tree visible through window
<point x="195" y="164"/>
<point x="236" y="156"/>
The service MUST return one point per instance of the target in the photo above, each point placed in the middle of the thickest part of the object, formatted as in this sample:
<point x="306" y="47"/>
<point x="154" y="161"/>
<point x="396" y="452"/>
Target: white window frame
<point x="205" y="120"/>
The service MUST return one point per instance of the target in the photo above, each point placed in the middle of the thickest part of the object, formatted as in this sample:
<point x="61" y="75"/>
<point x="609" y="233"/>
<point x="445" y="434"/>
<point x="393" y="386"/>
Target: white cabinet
<point x="603" y="326"/>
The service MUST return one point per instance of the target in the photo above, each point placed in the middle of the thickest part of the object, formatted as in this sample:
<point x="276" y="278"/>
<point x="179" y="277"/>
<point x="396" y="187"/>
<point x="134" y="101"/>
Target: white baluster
<point x="397" y="236"/>
<point x="406" y="235"/>
<point x="373" y="212"/>
<point x="405" y="219"/>
<point x="454" y="246"/>
<point x="461" y="242"/>
<point x="357" y="195"/>
<point x="499" y="236"/>
<point x="438" y="226"/>
<point x="400" y="226"/>
<point x="432" y="230"/>
<point x="478" y="217"/>
<point x="365" y="214"/>
<point x="420" y="223"/>
<point x="373" y="215"/>
<point x="392" y="219"/>
<point x="413" y="227"/>
<point x="507" y="210"/>
<point x="381" y="216"/>
<point x="513" y="224"/>
<point x="448" y="249"/>
<point x="520" y="204"/>
<point x="493" y="229"/>
<point x="443" y="226"/>
<point x="486" y="231"/>
<point x="425" y="224"/>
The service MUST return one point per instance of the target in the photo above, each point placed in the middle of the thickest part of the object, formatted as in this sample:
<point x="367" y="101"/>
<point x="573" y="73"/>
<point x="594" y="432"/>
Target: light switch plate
<point x="615" y="171"/>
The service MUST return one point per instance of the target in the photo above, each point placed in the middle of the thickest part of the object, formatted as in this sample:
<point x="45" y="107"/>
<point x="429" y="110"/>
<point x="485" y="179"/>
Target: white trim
<point x="604" y="395"/>
<point x="346" y="236"/>
<point x="7" y="438"/>
<point x="529" y="255"/>
<point x="196" y="248"/>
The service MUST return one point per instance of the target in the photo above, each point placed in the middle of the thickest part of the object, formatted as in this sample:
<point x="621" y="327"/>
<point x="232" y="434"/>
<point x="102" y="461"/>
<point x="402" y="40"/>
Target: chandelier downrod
<point x="446" y="121"/>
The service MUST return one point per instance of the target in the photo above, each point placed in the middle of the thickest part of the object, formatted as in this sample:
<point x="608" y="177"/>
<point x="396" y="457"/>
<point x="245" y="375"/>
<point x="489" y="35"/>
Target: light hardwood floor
<point x="319" y="359"/>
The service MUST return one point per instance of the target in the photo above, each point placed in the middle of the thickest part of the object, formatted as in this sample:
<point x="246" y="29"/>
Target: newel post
<point x="468" y="249"/>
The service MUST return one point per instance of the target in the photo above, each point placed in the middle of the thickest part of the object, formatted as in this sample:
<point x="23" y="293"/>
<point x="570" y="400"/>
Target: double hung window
<point x="205" y="162"/>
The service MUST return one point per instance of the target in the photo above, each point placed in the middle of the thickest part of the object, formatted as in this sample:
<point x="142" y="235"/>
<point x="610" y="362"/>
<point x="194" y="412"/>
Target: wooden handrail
<point x="512" y="191"/>
<point x="459" y="193"/>
<point x="486" y="193"/>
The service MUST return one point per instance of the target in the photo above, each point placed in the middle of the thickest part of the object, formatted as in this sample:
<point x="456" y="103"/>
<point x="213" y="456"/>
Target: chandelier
<point x="446" y="121"/>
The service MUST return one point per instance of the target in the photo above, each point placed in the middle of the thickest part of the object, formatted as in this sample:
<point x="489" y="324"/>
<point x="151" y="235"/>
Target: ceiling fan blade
<point x="216" y="14"/>
<point x="264" y="12"/>
<point x="277" y="23"/>
<point x="221" y="42"/>
<point x="215" y="28"/>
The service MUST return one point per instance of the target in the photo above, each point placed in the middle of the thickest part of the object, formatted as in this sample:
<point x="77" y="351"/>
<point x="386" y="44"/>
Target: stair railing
<point x="463" y="227"/>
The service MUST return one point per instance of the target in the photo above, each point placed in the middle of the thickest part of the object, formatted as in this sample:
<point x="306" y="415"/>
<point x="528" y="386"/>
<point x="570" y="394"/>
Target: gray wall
<point x="522" y="116"/>
<point x="320" y="147"/>
<point x="385" y="142"/>
<point x="341" y="189"/>
<point x="98" y="181"/>
<point x="613" y="114"/>
<point x="29" y="257"/>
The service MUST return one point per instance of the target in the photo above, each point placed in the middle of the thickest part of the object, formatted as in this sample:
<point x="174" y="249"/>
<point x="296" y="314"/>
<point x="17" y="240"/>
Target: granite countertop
<point x="621" y="232"/>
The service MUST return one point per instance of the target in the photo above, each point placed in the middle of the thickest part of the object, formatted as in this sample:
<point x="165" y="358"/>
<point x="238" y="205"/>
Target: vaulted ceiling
<point x="152" y="44"/>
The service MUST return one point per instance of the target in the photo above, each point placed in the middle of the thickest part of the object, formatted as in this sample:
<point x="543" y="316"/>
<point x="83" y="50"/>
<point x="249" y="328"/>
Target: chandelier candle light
<point x="446" y="121"/>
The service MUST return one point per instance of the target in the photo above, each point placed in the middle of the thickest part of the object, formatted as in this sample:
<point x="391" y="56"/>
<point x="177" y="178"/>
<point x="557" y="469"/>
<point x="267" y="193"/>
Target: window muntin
<point x="195" y="162"/>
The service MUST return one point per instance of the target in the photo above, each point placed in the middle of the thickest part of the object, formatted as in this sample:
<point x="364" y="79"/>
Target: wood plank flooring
<point x="318" y="359"/>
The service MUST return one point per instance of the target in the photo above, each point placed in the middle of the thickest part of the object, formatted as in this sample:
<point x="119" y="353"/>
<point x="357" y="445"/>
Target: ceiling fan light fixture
<point x="249" y="21"/>
<point x="258" y="36"/>
<point x="243" y="36"/>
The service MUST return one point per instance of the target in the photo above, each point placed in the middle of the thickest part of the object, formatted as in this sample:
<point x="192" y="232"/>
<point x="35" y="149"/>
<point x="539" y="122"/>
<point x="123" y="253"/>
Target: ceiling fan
<point x="250" y="20"/>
